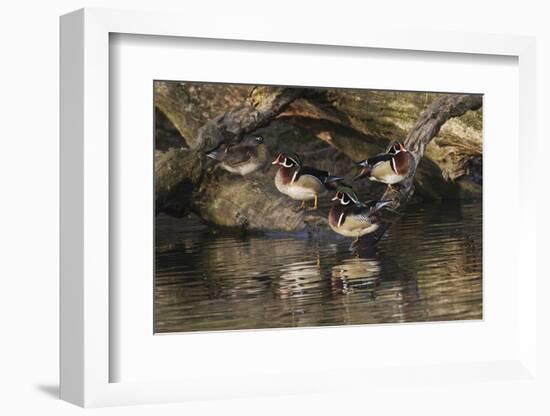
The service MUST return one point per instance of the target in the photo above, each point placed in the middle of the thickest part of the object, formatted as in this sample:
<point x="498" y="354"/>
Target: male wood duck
<point x="242" y="158"/>
<point x="351" y="218"/>
<point x="389" y="168"/>
<point x="302" y="183"/>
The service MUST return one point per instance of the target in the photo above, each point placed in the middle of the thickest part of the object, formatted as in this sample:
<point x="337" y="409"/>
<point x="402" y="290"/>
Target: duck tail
<point x="364" y="172"/>
<point x="216" y="153"/>
<point x="381" y="204"/>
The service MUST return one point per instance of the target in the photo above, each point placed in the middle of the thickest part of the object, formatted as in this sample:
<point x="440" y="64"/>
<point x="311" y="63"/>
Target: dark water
<point x="427" y="268"/>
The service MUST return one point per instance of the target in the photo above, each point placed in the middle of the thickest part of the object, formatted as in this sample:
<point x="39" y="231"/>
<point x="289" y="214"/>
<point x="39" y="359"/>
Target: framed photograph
<point x="283" y="206"/>
<point x="247" y="215"/>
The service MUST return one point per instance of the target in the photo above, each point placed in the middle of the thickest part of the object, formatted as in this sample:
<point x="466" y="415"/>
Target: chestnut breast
<point x="334" y="214"/>
<point x="286" y="174"/>
<point x="402" y="163"/>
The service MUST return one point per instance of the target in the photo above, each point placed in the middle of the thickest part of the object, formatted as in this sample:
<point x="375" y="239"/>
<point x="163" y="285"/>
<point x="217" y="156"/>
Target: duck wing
<point x="360" y="212"/>
<point x="371" y="161"/>
<point x="358" y="216"/>
<point x="239" y="155"/>
<point x="320" y="175"/>
<point x="330" y="181"/>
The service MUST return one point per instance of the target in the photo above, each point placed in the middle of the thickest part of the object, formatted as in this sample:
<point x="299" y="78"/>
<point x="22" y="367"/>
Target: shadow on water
<point x="427" y="268"/>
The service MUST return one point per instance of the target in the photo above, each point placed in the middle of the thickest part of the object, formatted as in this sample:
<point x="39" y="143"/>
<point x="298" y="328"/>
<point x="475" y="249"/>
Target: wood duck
<point x="300" y="182"/>
<point x="351" y="218"/>
<point x="241" y="158"/>
<point x="389" y="168"/>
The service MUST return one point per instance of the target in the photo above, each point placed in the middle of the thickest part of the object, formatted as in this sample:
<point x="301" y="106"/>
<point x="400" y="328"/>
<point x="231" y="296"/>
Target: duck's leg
<point x="314" y="203"/>
<point x="303" y="205"/>
<point x="353" y="245"/>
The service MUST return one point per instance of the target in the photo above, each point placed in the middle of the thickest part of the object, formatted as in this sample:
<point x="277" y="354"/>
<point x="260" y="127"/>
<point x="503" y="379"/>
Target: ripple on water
<point x="427" y="268"/>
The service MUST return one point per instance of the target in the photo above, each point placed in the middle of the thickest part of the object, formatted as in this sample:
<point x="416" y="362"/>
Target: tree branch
<point x="261" y="107"/>
<point x="425" y="129"/>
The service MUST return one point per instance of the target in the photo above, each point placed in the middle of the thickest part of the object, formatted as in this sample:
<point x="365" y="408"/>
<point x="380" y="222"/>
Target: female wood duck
<point x="300" y="182"/>
<point x="241" y="158"/>
<point x="350" y="218"/>
<point x="389" y="168"/>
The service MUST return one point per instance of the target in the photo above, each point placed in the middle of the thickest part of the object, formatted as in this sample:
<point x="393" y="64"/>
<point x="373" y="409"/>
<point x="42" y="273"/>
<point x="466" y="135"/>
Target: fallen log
<point x="185" y="181"/>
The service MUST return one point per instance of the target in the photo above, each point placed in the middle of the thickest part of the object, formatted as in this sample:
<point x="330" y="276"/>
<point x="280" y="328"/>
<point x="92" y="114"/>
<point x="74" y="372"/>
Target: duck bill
<point x="364" y="172"/>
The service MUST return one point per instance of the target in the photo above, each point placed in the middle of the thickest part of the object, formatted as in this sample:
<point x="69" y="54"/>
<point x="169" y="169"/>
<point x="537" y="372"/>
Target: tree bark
<point x="262" y="106"/>
<point x="203" y="119"/>
<point x="189" y="106"/>
<point x="186" y="181"/>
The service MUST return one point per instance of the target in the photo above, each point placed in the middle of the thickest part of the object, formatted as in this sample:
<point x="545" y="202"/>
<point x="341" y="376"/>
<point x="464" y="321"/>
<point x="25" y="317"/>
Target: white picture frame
<point x="85" y="212"/>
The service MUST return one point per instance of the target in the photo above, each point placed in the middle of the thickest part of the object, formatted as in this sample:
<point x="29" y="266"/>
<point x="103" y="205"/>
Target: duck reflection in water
<point x="300" y="279"/>
<point x="355" y="273"/>
<point x="427" y="268"/>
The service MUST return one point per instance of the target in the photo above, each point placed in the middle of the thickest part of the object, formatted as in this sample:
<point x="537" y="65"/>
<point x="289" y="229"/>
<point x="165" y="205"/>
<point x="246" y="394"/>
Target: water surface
<point x="428" y="267"/>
